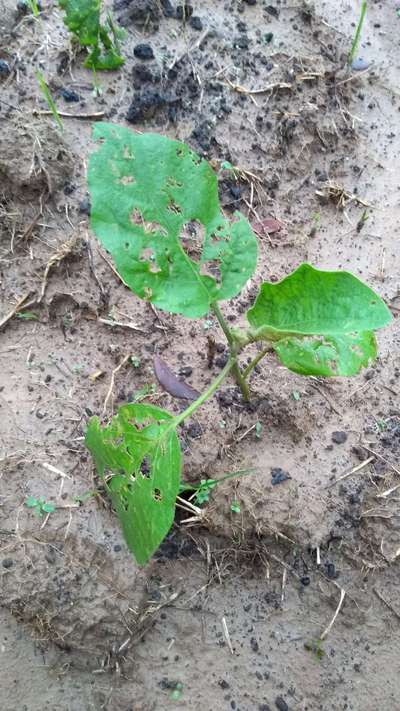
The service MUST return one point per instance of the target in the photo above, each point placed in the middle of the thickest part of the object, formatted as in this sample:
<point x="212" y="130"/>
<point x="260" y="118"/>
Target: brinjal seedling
<point x="83" y="19"/>
<point x="155" y="208"/>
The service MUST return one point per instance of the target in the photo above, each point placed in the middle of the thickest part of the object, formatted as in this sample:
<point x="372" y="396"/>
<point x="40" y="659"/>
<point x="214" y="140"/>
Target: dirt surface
<point x="239" y="610"/>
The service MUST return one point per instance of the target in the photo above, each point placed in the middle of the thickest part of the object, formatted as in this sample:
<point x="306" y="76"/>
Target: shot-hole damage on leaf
<point x="192" y="237"/>
<point x="172" y="187"/>
<point x="127" y="180"/>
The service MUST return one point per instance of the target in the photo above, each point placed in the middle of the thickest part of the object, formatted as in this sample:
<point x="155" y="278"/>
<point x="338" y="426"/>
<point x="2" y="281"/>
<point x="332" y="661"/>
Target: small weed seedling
<point x="40" y="505"/>
<point x="82" y="17"/>
<point x="357" y="35"/>
<point x="49" y="99"/>
<point x="155" y="208"/>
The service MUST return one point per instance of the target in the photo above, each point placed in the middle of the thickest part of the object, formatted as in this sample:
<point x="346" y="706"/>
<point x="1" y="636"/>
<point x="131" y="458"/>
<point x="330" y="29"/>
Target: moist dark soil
<point x="289" y="598"/>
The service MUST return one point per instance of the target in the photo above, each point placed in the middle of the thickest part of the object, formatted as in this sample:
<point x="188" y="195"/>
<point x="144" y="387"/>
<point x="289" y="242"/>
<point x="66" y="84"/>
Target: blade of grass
<point x="49" y="99"/>
<point x="356" y="38"/>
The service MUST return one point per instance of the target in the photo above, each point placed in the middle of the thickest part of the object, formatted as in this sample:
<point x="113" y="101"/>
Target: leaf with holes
<point x="155" y="208"/>
<point x="319" y="322"/>
<point x="139" y="458"/>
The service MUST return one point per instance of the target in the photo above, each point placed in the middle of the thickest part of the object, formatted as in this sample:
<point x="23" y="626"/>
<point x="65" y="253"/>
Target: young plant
<point x="155" y="208"/>
<point x="40" y="505"/>
<point x="82" y="17"/>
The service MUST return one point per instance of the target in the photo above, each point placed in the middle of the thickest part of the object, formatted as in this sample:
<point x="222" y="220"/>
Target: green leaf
<point x="327" y="355"/>
<point x="138" y="456"/>
<point x="235" y="506"/>
<point x="152" y="200"/>
<point x="82" y="17"/>
<point x="311" y="301"/>
<point x="31" y="502"/>
<point x="48" y="507"/>
<point x="319" y="322"/>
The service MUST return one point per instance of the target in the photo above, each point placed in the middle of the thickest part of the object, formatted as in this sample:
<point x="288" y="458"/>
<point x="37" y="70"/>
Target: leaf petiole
<point x="204" y="396"/>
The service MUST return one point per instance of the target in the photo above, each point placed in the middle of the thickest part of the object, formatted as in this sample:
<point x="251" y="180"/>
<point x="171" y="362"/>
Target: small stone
<point x="235" y="191"/>
<point x="339" y="437"/>
<point x="7" y="563"/>
<point x="69" y="94"/>
<point x="254" y="644"/>
<point x="331" y="571"/>
<point x="272" y="10"/>
<point x="281" y="704"/>
<point x="167" y="8"/>
<point x="186" y="371"/>
<point x="84" y="206"/>
<point x="143" y="51"/>
<point x="305" y="580"/>
<point x="4" y="68"/>
<point x="359" y="64"/>
<point x="196" y="23"/>
<point x="278" y="475"/>
<point x="117" y="548"/>
<point x="223" y="684"/>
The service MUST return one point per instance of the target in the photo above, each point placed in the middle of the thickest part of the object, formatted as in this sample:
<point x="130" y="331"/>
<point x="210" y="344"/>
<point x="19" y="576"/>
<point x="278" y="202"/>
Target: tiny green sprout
<point x="145" y="189"/>
<point x="258" y="428"/>
<point x="176" y="693"/>
<point x="296" y="395"/>
<point x="49" y="99"/>
<point x="135" y="360"/>
<point x="357" y="35"/>
<point x="40" y="505"/>
<point x="27" y="316"/>
<point x="316" y="217"/>
<point x="33" y="6"/>
<point x="381" y="425"/>
<point x="226" y="165"/>
<point x="235" y="506"/>
<point x="82" y="498"/>
<point x="315" y="646"/>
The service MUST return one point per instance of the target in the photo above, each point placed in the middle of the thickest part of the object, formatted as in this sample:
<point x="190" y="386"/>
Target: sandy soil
<point x="234" y="610"/>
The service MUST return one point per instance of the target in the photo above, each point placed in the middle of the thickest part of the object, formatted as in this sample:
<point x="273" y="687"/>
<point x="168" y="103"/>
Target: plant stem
<point x="207" y="393"/>
<point x="260" y="355"/>
<point x="356" y="40"/>
<point x="234" y="349"/>
<point x="220" y="318"/>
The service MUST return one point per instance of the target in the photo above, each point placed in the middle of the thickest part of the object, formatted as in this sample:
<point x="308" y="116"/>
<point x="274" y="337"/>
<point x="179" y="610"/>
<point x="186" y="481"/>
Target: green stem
<point x="207" y="393"/>
<point x="219" y="316"/>
<point x="253" y="363"/>
<point x="234" y="349"/>
<point x="356" y="40"/>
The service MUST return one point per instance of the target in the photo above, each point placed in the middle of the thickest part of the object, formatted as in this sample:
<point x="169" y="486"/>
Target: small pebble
<point x="143" y="51"/>
<point x="278" y="475"/>
<point x="359" y="64"/>
<point x="4" y="68"/>
<point x="196" y="23"/>
<point x="69" y="94"/>
<point x="7" y="563"/>
<point x="305" y="580"/>
<point x="84" y="206"/>
<point x="339" y="437"/>
<point x="281" y="704"/>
